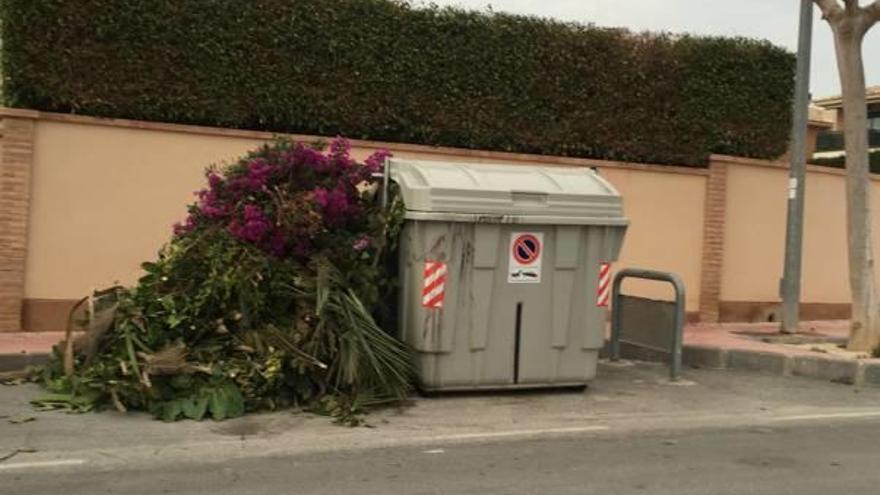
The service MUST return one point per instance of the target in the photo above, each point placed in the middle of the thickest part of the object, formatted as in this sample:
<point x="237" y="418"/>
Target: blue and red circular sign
<point x="526" y="249"/>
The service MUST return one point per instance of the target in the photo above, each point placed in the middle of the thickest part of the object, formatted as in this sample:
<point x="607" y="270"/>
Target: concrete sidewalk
<point x="815" y="352"/>
<point x="628" y="399"/>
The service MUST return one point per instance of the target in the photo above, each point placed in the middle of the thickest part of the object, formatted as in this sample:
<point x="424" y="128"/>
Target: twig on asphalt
<point x="9" y="455"/>
<point x="13" y="376"/>
<point x="15" y="453"/>
<point x="20" y="419"/>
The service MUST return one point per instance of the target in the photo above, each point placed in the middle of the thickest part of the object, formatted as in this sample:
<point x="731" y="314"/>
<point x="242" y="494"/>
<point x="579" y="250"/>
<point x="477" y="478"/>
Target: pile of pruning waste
<point x="267" y="296"/>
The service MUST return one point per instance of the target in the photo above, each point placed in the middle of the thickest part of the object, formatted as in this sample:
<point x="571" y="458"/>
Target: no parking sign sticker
<point x="526" y="250"/>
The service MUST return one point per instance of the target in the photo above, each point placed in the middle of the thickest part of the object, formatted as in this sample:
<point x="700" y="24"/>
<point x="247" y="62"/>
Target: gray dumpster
<point x="499" y="270"/>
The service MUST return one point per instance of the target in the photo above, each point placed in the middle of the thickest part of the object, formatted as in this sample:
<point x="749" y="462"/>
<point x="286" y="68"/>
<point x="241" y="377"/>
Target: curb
<point x="845" y="371"/>
<point x="20" y="361"/>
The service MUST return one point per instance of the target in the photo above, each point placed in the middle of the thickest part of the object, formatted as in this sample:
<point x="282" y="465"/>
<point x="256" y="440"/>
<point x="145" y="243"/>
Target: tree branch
<point x="831" y="9"/>
<point x="873" y="12"/>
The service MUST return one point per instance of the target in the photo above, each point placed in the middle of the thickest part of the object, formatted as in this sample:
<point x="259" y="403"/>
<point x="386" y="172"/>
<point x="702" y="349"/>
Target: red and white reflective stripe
<point x="604" y="288"/>
<point x="434" y="288"/>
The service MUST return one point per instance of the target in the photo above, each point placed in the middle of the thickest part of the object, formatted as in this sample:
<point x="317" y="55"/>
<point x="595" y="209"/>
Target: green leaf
<point x="234" y="401"/>
<point x="226" y="401"/>
<point x="218" y="404"/>
<point x="194" y="407"/>
<point x="172" y="409"/>
<point x="150" y="267"/>
<point x="173" y="320"/>
<point x="181" y="382"/>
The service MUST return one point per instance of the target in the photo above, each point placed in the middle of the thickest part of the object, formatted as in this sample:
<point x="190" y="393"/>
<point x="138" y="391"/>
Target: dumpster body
<point x="499" y="268"/>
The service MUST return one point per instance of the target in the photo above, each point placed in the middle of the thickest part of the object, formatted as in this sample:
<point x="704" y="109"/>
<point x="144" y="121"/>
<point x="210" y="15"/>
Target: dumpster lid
<point x="506" y="193"/>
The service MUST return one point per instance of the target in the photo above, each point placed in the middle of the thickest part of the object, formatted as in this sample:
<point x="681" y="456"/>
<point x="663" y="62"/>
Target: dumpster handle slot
<point x="516" y="343"/>
<point x="675" y="280"/>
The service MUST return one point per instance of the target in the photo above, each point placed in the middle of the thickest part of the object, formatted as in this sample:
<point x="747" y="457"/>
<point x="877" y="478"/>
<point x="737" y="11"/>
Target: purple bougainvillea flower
<point x="340" y="149"/>
<point x="278" y="244"/>
<point x="212" y="211"/>
<point x="254" y="226"/>
<point x="322" y="198"/>
<point x="235" y="228"/>
<point x="252" y="212"/>
<point x="361" y="244"/>
<point x="211" y="206"/>
<point x="309" y="158"/>
<point x="214" y="180"/>
<point x="334" y="204"/>
<point x="376" y="161"/>
<point x="182" y="228"/>
<point x="256" y="177"/>
<point x="260" y="171"/>
<point x="320" y="195"/>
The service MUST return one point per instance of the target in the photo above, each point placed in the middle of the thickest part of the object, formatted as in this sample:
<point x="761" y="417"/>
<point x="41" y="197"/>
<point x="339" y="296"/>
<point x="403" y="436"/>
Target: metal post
<point x="615" y="317"/>
<point x="386" y="178"/>
<point x="678" y="321"/>
<point x="794" y="230"/>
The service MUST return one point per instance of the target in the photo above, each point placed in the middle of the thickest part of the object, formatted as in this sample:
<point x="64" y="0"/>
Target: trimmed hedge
<point x="377" y="69"/>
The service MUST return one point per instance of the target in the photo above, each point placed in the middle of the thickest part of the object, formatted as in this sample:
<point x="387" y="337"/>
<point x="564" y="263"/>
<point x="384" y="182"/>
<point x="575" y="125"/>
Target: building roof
<point x="822" y="117"/>
<point x="872" y="93"/>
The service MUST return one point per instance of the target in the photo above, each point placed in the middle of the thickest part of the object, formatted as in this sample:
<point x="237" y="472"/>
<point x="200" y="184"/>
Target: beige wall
<point x="104" y="194"/>
<point x="755" y="235"/>
<point x="105" y="197"/>
<point x="754" y="229"/>
<point x="666" y="228"/>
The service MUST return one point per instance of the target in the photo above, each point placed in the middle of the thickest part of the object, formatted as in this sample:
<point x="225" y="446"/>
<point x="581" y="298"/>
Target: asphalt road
<point x="828" y="458"/>
<point x="717" y="432"/>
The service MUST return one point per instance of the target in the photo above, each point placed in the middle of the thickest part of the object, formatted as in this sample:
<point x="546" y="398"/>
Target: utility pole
<point x="794" y="229"/>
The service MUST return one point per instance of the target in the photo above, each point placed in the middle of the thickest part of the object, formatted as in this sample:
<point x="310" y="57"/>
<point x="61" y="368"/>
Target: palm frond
<point x="369" y="359"/>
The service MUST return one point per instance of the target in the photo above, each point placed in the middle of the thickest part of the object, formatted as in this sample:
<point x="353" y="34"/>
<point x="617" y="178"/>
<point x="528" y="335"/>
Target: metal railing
<point x="678" y="323"/>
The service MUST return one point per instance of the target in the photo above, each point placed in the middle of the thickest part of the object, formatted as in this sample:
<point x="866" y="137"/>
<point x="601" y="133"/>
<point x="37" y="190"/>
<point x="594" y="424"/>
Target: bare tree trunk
<point x="850" y="22"/>
<point x="865" y="326"/>
<point x="849" y="31"/>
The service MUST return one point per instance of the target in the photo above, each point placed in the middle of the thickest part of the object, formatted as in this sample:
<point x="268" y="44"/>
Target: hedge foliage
<point x="385" y="70"/>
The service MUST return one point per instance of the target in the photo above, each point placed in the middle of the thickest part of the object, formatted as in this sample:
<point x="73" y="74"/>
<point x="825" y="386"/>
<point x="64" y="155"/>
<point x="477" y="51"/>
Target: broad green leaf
<point x="218" y="404"/>
<point x="172" y="409"/>
<point x="194" y="407"/>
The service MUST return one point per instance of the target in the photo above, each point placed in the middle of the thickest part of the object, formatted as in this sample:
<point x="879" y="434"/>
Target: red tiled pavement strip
<point x="728" y="336"/>
<point x="747" y="336"/>
<point x="28" y="342"/>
